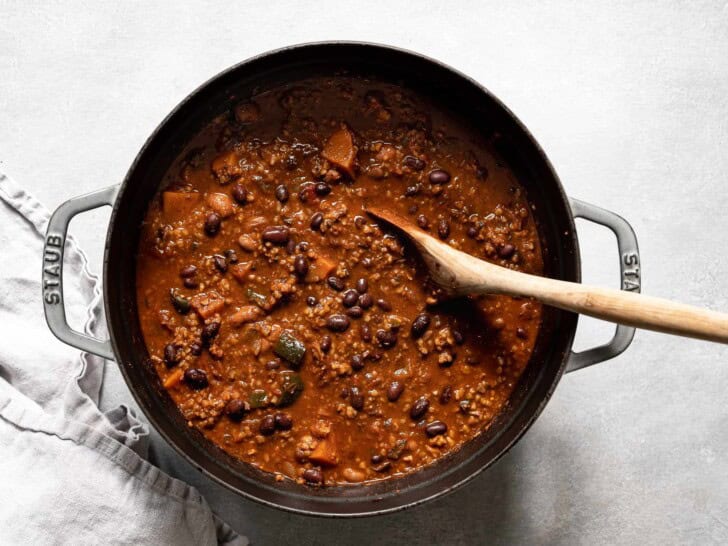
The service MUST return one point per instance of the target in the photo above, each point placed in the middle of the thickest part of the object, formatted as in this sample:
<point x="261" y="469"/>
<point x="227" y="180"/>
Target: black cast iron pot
<point x="455" y="92"/>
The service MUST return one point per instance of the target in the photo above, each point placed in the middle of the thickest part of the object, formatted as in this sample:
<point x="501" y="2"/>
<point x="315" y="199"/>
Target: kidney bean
<point x="356" y="399"/>
<point x="212" y="224"/>
<point x="443" y="229"/>
<point x="366" y="301"/>
<point x="316" y="221"/>
<point x="300" y="266"/>
<point x="362" y="285"/>
<point x="172" y="355"/>
<point x="384" y="305"/>
<point x="188" y="271"/>
<point x="506" y="251"/>
<point x="283" y="421"/>
<point x="419" y="408"/>
<point x="336" y="283"/>
<point x="311" y="301"/>
<point x="220" y="263"/>
<point x="439" y="176"/>
<point x="236" y="409"/>
<point x="325" y="344"/>
<point x="190" y="283"/>
<point x="423" y="222"/>
<point x="357" y="362"/>
<point x="446" y="394"/>
<point x="281" y="193"/>
<point x="210" y="331"/>
<point x="267" y="425"/>
<point x="386" y="338"/>
<point x="322" y="189"/>
<point x="394" y="391"/>
<point x="313" y="476"/>
<point x="240" y="194"/>
<point x="290" y="246"/>
<point x="414" y="163"/>
<point x="195" y="379"/>
<point x="355" y="312"/>
<point x="350" y="298"/>
<point x="338" y="323"/>
<point x="436" y="428"/>
<point x="278" y="235"/>
<point x="420" y="325"/>
<point x="366" y="333"/>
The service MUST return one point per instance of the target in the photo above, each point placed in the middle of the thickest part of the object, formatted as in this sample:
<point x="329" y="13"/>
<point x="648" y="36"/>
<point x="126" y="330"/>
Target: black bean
<point x="362" y="285"/>
<point x="236" y="409"/>
<point x="386" y="338"/>
<point x="366" y="301"/>
<point x="464" y="406"/>
<point x="366" y="333"/>
<point x="209" y="332"/>
<point x="316" y="221"/>
<point x="355" y="312"/>
<point x="278" y="235"/>
<point x="172" y="355"/>
<point x="377" y="458"/>
<point x="195" y="379"/>
<point x="357" y="362"/>
<point x="521" y="333"/>
<point x="458" y="337"/>
<point x="273" y="364"/>
<point x="325" y="344"/>
<point x="291" y="162"/>
<point x="220" y="262"/>
<point x="303" y="246"/>
<point x="290" y="246"/>
<point x="506" y="251"/>
<point x="422" y="221"/>
<point x="412" y="209"/>
<point x="419" y="408"/>
<point x="231" y="255"/>
<point x="281" y="193"/>
<point x="481" y="172"/>
<point x="356" y="399"/>
<point x="313" y="476"/>
<point x="267" y="425"/>
<point x="436" y="428"/>
<point x="336" y="283"/>
<point x="350" y="298"/>
<point x="439" y="176"/>
<point x="384" y="305"/>
<point x="414" y="163"/>
<point x="374" y="356"/>
<point x="322" y="189"/>
<point x="420" y="325"/>
<point x="412" y="190"/>
<point x="212" y="224"/>
<point x="472" y="232"/>
<point x="300" y="266"/>
<point x="190" y="283"/>
<point x="443" y="229"/>
<point x="311" y="301"/>
<point x="446" y="394"/>
<point x="338" y="323"/>
<point x="188" y="271"/>
<point x="240" y="194"/>
<point x="195" y="349"/>
<point x="283" y="421"/>
<point x="394" y="391"/>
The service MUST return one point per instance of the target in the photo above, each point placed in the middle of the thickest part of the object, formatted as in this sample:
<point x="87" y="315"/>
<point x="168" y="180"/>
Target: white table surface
<point x="629" y="100"/>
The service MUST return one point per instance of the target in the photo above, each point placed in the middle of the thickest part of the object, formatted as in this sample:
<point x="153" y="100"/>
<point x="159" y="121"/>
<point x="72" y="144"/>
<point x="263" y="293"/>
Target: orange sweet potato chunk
<point x="340" y="150"/>
<point x="177" y="205"/>
<point x="320" y="268"/>
<point x="207" y="304"/>
<point x="325" y="453"/>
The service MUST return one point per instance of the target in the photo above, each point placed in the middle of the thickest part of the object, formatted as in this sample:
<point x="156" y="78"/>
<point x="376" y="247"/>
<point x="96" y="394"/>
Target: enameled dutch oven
<point x="554" y="214"/>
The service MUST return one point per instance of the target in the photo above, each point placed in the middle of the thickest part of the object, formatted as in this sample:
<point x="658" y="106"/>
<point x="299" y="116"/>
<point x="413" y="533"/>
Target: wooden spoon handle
<point x="616" y="305"/>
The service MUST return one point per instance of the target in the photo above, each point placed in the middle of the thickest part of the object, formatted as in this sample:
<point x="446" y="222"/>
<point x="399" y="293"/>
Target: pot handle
<point x="629" y="268"/>
<point x="53" y="251"/>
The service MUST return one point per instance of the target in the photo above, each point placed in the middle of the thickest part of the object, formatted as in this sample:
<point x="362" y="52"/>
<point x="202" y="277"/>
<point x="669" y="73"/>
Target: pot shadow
<point x="527" y="497"/>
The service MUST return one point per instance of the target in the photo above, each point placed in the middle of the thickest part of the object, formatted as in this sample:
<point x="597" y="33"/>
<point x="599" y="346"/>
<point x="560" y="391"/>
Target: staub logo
<point x="52" y="265"/>
<point x="631" y="275"/>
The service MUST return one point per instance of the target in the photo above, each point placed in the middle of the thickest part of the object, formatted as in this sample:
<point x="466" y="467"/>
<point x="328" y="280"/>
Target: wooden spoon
<point x="461" y="274"/>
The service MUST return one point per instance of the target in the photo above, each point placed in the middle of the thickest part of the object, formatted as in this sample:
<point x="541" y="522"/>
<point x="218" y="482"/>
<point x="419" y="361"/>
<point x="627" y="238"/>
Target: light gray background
<point x="629" y="100"/>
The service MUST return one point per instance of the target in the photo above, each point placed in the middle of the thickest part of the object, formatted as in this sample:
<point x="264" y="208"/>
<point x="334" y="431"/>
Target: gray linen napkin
<point x="69" y="473"/>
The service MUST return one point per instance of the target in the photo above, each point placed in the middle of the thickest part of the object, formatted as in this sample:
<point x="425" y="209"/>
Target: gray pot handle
<point x="53" y="250"/>
<point x="629" y="267"/>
